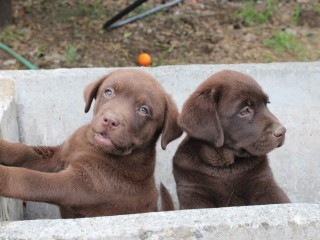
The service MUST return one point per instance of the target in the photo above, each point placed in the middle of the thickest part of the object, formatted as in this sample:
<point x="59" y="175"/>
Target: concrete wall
<point x="270" y="222"/>
<point x="50" y="107"/>
<point x="10" y="209"/>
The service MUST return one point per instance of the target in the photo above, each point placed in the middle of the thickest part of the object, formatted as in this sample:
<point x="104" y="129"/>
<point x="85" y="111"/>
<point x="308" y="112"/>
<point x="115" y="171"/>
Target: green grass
<point x="72" y="54"/>
<point x="318" y="9"/>
<point x="141" y="9"/>
<point x="127" y="35"/>
<point x="268" y="59"/>
<point x="251" y="17"/>
<point x="10" y="34"/>
<point x="283" y="42"/>
<point x="270" y="10"/>
<point x="93" y="11"/>
<point x="296" y="14"/>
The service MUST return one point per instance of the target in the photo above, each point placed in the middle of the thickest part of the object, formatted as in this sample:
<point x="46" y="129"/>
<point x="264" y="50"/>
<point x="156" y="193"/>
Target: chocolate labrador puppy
<point x="223" y="159"/>
<point x="105" y="167"/>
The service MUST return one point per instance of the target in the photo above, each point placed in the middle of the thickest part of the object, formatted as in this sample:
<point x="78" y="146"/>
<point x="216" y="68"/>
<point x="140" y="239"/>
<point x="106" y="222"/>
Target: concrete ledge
<point x="48" y="106"/>
<point x="281" y="222"/>
<point x="10" y="209"/>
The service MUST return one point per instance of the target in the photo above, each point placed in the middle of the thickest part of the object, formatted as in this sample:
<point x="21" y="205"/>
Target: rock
<point x="250" y="37"/>
<point x="9" y="62"/>
<point x="55" y="57"/>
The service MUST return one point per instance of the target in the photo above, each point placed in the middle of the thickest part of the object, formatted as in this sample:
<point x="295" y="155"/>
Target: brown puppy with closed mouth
<point x="105" y="167"/>
<point x="223" y="159"/>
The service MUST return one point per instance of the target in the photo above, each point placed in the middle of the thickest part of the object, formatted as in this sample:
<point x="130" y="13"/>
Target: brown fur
<point x="105" y="167"/>
<point x="222" y="161"/>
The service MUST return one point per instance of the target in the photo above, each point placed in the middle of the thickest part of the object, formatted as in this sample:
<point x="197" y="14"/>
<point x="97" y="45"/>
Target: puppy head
<point x="131" y="110"/>
<point x="230" y="109"/>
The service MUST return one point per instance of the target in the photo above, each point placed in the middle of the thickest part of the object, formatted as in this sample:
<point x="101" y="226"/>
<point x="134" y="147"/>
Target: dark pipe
<point x="123" y="13"/>
<point x="144" y="14"/>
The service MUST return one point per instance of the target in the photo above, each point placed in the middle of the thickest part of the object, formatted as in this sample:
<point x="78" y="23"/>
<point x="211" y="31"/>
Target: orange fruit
<point x="144" y="59"/>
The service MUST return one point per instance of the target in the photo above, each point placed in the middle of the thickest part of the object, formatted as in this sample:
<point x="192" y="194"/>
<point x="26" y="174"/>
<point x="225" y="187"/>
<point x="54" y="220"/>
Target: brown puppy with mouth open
<point x="223" y="159"/>
<point x="105" y="167"/>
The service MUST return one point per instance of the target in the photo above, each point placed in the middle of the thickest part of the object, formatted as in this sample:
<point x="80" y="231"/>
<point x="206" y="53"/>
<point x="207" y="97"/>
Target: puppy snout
<point x="280" y="132"/>
<point x="110" y="121"/>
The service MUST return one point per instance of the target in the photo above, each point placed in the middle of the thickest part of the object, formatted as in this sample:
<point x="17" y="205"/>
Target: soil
<point x="68" y="33"/>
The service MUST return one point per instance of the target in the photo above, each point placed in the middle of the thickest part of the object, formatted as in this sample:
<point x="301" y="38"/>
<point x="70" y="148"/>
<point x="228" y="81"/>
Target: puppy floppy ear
<point x="90" y="92"/>
<point x="171" y="130"/>
<point x="199" y="117"/>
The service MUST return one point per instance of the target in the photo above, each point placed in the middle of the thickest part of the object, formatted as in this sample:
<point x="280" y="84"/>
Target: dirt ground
<point x="68" y="33"/>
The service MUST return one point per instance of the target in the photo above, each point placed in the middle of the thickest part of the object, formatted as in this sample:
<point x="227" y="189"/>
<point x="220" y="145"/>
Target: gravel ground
<point x="68" y="33"/>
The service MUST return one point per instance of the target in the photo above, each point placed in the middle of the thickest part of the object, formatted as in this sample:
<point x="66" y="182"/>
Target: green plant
<point x="82" y="9"/>
<point x="269" y="11"/>
<point x="283" y="42"/>
<point x="40" y="53"/>
<point x="250" y="16"/>
<point x="93" y="11"/>
<point x="11" y="33"/>
<point x="141" y="9"/>
<point x="268" y="59"/>
<point x="72" y="54"/>
<point x="297" y="14"/>
<point x="126" y="35"/>
<point x="318" y="9"/>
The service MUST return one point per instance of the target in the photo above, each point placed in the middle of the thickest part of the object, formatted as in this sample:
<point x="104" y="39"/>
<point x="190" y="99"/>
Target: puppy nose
<point x="280" y="132"/>
<point x="110" y="121"/>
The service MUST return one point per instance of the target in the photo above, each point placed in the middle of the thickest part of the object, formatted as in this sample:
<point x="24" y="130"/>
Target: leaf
<point x="126" y="35"/>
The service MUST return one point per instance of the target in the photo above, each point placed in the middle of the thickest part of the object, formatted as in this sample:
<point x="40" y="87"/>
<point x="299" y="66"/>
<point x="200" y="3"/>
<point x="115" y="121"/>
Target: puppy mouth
<point x="103" y="139"/>
<point x="281" y="142"/>
<point x="109" y="146"/>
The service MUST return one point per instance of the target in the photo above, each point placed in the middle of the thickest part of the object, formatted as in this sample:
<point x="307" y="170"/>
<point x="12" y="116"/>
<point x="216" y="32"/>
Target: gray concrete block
<point x="281" y="222"/>
<point x="10" y="209"/>
<point x="50" y="107"/>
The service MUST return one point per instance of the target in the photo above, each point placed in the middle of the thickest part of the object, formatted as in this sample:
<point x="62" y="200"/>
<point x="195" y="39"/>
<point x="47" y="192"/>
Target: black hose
<point x="123" y="13"/>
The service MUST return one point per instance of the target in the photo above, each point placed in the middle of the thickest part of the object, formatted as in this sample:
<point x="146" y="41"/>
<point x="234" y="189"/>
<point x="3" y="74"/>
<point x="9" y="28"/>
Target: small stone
<point x="9" y="62"/>
<point x="249" y="37"/>
<point x="291" y="31"/>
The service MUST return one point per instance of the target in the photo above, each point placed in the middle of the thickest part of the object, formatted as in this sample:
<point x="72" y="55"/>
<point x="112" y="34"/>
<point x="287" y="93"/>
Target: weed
<point x="160" y="60"/>
<point x="251" y="17"/>
<point x="318" y="9"/>
<point x="93" y="11"/>
<point x="141" y="9"/>
<point x="72" y="54"/>
<point x="126" y="35"/>
<point x="40" y="53"/>
<point x="283" y="42"/>
<point x="268" y="59"/>
<point x="11" y="33"/>
<point x="269" y="9"/>
<point x="297" y="14"/>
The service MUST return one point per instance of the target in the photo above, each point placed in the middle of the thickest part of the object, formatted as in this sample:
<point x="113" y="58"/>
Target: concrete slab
<point x="281" y="222"/>
<point x="10" y="209"/>
<point x="50" y="106"/>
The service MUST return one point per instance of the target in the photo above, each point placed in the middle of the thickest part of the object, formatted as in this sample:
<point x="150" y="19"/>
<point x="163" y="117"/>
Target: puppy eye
<point x="108" y="92"/>
<point x="144" y="110"/>
<point x="245" y="111"/>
